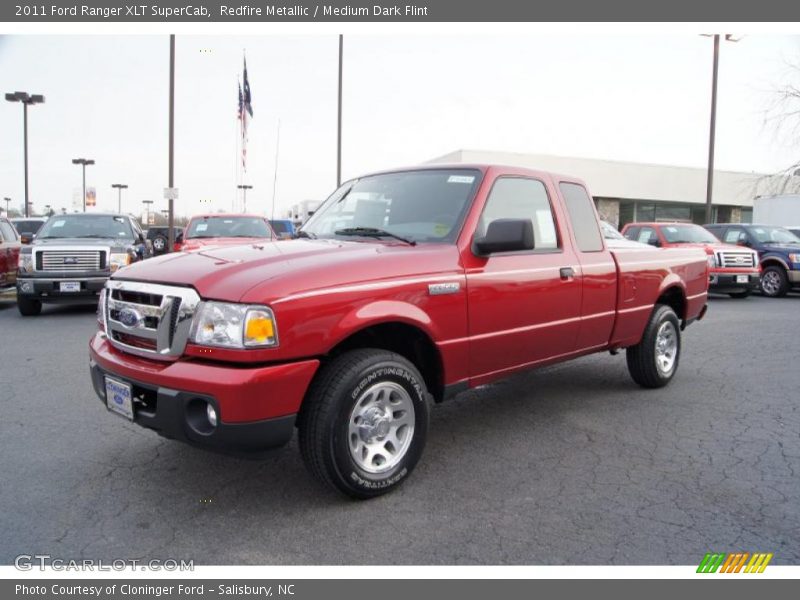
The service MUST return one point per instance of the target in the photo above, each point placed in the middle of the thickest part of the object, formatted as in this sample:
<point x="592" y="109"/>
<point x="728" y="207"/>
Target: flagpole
<point x="275" y="175"/>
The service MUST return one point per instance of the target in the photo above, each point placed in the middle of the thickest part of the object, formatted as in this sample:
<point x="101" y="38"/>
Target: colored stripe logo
<point x="735" y="562"/>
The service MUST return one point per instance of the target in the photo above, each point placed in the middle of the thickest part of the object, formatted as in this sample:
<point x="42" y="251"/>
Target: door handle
<point x="567" y="272"/>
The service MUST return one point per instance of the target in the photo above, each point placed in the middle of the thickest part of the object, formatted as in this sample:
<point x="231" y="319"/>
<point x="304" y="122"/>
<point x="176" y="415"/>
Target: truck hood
<point x="211" y="243"/>
<point x="102" y="242"/>
<point x="789" y="247"/>
<point x="287" y="267"/>
<point x="712" y="247"/>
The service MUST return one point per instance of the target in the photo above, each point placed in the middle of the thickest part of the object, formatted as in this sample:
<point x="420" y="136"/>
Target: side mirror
<point x="654" y="242"/>
<point x="742" y="242"/>
<point x="506" y="235"/>
<point x="26" y="238"/>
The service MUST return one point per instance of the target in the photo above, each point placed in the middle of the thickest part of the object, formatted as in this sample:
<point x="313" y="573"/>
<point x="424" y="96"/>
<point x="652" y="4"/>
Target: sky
<point x="406" y="99"/>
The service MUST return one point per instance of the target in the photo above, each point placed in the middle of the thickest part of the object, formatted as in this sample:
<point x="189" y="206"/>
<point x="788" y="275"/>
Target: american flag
<point x="245" y="111"/>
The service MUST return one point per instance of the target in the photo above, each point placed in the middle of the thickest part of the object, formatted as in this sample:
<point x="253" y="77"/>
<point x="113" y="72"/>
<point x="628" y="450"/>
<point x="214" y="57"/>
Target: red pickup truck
<point x="403" y="289"/>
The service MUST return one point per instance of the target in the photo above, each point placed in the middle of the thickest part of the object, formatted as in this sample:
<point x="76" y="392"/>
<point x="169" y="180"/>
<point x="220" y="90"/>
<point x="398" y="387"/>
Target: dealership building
<point x="627" y="191"/>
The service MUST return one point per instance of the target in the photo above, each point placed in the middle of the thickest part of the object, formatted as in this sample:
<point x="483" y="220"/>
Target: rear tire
<point x="653" y="362"/>
<point x="159" y="244"/>
<point x="742" y="294"/>
<point x="774" y="282"/>
<point x="364" y="422"/>
<point x="29" y="307"/>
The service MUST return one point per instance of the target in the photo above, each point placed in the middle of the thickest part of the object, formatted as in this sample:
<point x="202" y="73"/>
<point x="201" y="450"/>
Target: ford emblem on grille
<point x="70" y="260"/>
<point x="130" y="317"/>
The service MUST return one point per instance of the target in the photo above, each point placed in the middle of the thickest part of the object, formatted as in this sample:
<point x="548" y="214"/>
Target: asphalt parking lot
<point x="568" y="465"/>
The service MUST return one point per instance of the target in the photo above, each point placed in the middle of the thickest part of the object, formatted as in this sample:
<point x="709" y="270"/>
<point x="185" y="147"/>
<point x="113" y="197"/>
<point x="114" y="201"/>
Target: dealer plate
<point x="742" y="278"/>
<point x="70" y="286"/>
<point x="118" y="398"/>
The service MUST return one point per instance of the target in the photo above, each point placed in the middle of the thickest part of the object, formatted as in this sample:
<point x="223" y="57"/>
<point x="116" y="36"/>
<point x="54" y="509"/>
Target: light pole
<point x="147" y="204"/>
<point x="339" y="116"/>
<point x="83" y="162"/>
<point x="713" y="127"/>
<point x="26" y="99"/>
<point x="47" y="210"/>
<point x="8" y="203"/>
<point x="171" y="205"/>
<point x="120" y="187"/>
<point x="244" y="200"/>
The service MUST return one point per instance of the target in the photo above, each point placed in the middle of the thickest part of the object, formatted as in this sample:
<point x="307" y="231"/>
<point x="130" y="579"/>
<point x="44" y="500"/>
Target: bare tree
<point x="783" y="118"/>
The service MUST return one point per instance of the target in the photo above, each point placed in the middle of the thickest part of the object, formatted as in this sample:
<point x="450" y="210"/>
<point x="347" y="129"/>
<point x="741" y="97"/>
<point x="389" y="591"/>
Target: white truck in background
<point x="781" y="209"/>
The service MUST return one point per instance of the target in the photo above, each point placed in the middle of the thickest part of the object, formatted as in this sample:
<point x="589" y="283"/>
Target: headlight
<point x="25" y="263"/>
<point x="795" y="258"/>
<point x="712" y="260"/>
<point x="234" y="326"/>
<point x="119" y="260"/>
<point x="101" y="304"/>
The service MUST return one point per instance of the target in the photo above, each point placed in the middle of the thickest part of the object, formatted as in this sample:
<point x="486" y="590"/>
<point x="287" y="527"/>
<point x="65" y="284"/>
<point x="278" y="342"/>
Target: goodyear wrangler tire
<point x="364" y="422"/>
<point x="653" y="361"/>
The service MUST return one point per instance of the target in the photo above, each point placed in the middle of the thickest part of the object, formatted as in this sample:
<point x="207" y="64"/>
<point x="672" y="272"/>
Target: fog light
<point x="211" y="414"/>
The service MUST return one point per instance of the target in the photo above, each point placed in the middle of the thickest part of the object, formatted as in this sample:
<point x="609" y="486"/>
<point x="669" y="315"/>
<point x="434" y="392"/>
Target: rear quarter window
<point x="584" y="219"/>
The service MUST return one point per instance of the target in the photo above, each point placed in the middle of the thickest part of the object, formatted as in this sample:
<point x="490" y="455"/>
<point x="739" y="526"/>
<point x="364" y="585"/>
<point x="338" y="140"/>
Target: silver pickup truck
<point x="73" y="256"/>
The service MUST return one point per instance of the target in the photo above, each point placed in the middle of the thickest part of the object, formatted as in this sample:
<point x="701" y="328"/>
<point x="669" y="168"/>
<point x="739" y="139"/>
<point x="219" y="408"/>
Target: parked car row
<point x="732" y="270"/>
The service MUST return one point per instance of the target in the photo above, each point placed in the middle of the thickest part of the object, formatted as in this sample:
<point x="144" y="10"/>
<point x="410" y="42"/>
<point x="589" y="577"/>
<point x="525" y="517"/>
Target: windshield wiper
<point x="373" y="232"/>
<point x="306" y="234"/>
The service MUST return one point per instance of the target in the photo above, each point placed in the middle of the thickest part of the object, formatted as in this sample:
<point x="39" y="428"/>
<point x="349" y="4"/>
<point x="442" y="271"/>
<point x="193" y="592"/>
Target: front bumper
<point x="794" y="276"/>
<point x="48" y="289"/>
<point x="729" y="282"/>
<point x="257" y="407"/>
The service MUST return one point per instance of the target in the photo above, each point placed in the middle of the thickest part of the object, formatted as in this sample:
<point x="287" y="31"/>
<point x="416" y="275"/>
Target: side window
<point x="632" y="233"/>
<point x="647" y="235"/>
<point x="733" y="235"/>
<point x="7" y="232"/>
<point x="584" y="220"/>
<point x="521" y="198"/>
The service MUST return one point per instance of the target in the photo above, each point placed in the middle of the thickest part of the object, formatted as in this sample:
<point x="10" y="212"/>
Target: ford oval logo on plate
<point x="130" y="317"/>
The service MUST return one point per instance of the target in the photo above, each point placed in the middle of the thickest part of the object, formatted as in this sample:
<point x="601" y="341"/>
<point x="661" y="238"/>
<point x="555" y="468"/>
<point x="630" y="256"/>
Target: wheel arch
<point x="406" y="339"/>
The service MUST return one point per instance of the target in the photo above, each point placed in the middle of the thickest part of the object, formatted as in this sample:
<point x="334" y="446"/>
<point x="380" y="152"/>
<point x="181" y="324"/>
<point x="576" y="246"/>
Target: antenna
<point x="275" y="176"/>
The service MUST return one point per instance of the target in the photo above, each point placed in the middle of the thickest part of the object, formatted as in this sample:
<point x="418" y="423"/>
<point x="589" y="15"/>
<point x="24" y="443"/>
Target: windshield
<point x="27" y="226"/>
<point x="281" y="226"/>
<point x="776" y="235"/>
<point x="610" y="232"/>
<point x="420" y="206"/>
<point x="233" y="226"/>
<point x="86" y="226"/>
<point x="687" y="234"/>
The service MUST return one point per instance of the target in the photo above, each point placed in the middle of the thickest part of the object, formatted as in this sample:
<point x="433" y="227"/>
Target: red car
<point x="9" y="254"/>
<point x="404" y="288"/>
<point x="734" y="270"/>
<point x="207" y="231"/>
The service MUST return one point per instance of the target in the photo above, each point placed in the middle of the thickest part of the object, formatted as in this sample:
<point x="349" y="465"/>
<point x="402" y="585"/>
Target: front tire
<point x="653" y="362"/>
<point x="774" y="282"/>
<point x="364" y="422"/>
<point x="28" y="307"/>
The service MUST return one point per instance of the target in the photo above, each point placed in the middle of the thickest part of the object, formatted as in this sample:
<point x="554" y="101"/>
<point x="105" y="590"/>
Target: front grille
<point x="149" y="319"/>
<point x="70" y="260"/>
<point x="733" y="259"/>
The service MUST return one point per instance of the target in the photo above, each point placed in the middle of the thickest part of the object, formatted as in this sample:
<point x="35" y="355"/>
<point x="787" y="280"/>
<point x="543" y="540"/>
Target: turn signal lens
<point x="259" y="329"/>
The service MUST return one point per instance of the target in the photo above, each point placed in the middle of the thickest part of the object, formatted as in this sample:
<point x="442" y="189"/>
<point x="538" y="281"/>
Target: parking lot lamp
<point x="83" y="162"/>
<point x="27" y="100"/>
<point x="8" y="203"/>
<point x="120" y="187"/>
<point x="712" y="133"/>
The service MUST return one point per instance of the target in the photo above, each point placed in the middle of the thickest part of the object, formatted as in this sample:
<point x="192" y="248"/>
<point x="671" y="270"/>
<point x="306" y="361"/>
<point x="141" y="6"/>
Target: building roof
<point x="631" y="180"/>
